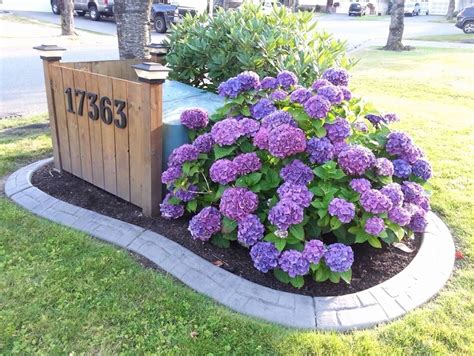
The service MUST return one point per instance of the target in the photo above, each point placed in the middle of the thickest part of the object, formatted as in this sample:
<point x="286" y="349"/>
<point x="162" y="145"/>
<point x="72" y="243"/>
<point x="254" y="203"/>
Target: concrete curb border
<point x="415" y="285"/>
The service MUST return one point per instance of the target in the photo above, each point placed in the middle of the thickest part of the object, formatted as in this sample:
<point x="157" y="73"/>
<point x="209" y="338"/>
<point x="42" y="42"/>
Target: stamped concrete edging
<point x="416" y="284"/>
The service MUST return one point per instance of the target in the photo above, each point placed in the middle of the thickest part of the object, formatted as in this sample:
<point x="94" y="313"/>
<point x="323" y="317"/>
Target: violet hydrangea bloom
<point x="171" y="174"/>
<point x="248" y="80"/>
<point x="249" y="127"/>
<point x="300" y="95"/>
<point x="293" y="263"/>
<point x="223" y="171"/>
<point x="346" y="93"/>
<point x="338" y="130"/>
<point x="194" y="118"/>
<point x="299" y="194"/>
<point x="297" y="172"/>
<point x="384" y="167"/>
<point x="374" y="226"/>
<point x="361" y="126"/>
<point x="375" y="202"/>
<point x="183" y="153"/>
<point x="287" y="79"/>
<point x="264" y="256"/>
<point x="278" y="95"/>
<point x="399" y="215"/>
<point x="422" y="169"/>
<point x="339" y="257"/>
<point x="424" y="203"/>
<point x="356" y="160"/>
<point x="317" y="107"/>
<point x="314" y="251"/>
<point x="230" y="88"/>
<point x="250" y="230"/>
<point x="285" y="213"/>
<point x="237" y="203"/>
<point x="337" y="76"/>
<point x="262" y="108"/>
<point x="390" y="117"/>
<point x="278" y="118"/>
<point x="170" y="211"/>
<point x="186" y="194"/>
<point x="401" y="168"/>
<point x="412" y="154"/>
<point x="398" y="143"/>
<point x="374" y="119"/>
<point x="342" y="209"/>
<point x="360" y="185"/>
<point x="268" y="83"/>
<point x="246" y="163"/>
<point x="412" y="192"/>
<point x="286" y="141"/>
<point x="320" y="150"/>
<point x="340" y="146"/>
<point x="204" y="143"/>
<point x="332" y="93"/>
<point x="418" y="222"/>
<point x="320" y="83"/>
<point x="205" y="224"/>
<point x="260" y="140"/>
<point x="226" y="132"/>
<point x="394" y="192"/>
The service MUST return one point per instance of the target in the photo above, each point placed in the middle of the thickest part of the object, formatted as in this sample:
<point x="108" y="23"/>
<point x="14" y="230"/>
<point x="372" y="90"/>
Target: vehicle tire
<point x="81" y="13"/>
<point x="55" y="7"/>
<point x="94" y="13"/>
<point x="160" y="24"/>
<point x="468" y="27"/>
<point x="427" y="13"/>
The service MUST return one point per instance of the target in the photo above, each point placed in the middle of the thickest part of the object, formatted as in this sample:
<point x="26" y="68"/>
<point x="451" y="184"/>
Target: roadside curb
<point x="415" y="285"/>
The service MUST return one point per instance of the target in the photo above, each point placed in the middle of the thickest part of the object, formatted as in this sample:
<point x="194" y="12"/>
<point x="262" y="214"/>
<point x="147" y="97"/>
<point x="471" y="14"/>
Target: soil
<point x="371" y="266"/>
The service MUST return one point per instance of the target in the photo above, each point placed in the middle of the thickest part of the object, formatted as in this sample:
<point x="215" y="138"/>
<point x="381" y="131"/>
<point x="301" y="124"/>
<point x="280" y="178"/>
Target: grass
<point x="458" y="38"/>
<point x="62" y="291"/>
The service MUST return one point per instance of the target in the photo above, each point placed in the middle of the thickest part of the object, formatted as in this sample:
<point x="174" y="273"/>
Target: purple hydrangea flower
<point x="374" y="119"/>
<point x="360" y="185"/>
<point x="394" y="192"/>
<point x="286" y="140"/>
<point x="287" y="79"/>
<point x="346" y="93"/>
<point x="339" y="257"/>
<point x="268" y="83"/>
<point x="299" y="194"/>
<point x="400" y="216"/>
<point x="317" y="107"/>
<point x="384" y="167"/>
<point x="204" y="143"/>
<point x="226" y="132"/>
<point x="250" y="230"/>
<point x="186" y="194"/>
<point x="320" y="150"/>
<point x="285" y="213"/>
<point x="422" y="169"/>
<point x="314" y="251"/>
<point x="237" y="203"/>
<point x="338" y="130"/>
<point x="171" y="211"/>
<point x="332" y="93"/>
<point x="412" y="154"/>
<point x="205" y="224"/>
<point x="320" y="83"/>
<point x="260" y="140"/>
<point x="401" y="168"/>
<point x="356" y="160"/>
<point x="223" y="171"/>
<point x="194" y="118"/>
<point x="248" y="80"/>
<point x="300" y="95"/>
<point x="418" y="222"/>
<point x="293" y="263"/>
<point x="337" y="76"/>
<point x="361" y="126"/>
<point x="412" y="192"/>
<point x="278" y="118"/>
<point x="278" y="95"/>
<point x="340" y="146"/>
<point x="390" y="117"/>
<point x="263" y="108"/>
<point x="183" y="153"/>
<point x="375" y="202"/>
<point x="374" y="226"/>
<point x="246" y="163"/>
<point x="424" y="203"/>
<point x="171" y="174"/>
<point x="249" y="127"/>
<point x="230" y="88"/>
<point x="297" y="172"/>
<point x="264" y="256"/>
<point x="342" y="209"/>
<point x="398" y="143"/>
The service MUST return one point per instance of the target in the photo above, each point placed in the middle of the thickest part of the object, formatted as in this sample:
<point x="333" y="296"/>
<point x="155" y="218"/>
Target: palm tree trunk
<point x="451" y="6"/>
<point x="67" y="17"/>
<point x="133" y="27"/>
<point x="395" y="35"/>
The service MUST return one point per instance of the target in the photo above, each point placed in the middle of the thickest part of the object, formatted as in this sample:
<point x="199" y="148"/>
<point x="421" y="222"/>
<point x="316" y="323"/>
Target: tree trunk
<point x="133" y="27"/>
<point x="395" y="35"/>
<point x="67" y="17"/>
<point x="451" y="6"/>
<point x="210" y="7"/>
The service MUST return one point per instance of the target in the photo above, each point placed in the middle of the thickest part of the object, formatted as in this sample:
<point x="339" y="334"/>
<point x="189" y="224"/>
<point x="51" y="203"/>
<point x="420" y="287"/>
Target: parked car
<point x="465" y="20"/>
<point x="163" y="15"/>
<point x="95" y="8"/>
<point x="357" y="9"/>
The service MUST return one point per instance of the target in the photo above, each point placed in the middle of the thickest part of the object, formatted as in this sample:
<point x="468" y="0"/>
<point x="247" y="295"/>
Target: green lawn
<point x="458" y="38"/>
<point x="62" y="291"/>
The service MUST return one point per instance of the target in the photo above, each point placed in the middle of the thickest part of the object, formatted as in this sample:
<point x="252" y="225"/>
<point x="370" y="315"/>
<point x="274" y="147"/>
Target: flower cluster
<point x="237" y="203"/>
<point x="204" y="224"/>
<point x="194" y="119"/>
<point x="356" y="160"/>
<point x="342" y="209"/>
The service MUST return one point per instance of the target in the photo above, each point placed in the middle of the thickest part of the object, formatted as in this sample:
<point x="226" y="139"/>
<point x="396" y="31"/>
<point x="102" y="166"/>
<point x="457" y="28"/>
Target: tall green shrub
<point x="206" y="51"/>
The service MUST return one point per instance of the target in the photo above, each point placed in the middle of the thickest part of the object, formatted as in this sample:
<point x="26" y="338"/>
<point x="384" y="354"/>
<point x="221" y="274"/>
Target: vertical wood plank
<point x="121" y="140"/>
<point x="95" y="132"/>
<point x="61" y="119"/>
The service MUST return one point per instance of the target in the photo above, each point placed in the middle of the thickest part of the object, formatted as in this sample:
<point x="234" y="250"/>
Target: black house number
<point x="98" y="107"/>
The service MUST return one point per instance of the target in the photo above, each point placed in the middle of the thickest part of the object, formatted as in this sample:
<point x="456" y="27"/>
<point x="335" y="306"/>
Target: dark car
<point x="163" y="15"/>
<point x="95" y="8"/>
<point x="357" y="9"/>
<point x="465" y="20"/>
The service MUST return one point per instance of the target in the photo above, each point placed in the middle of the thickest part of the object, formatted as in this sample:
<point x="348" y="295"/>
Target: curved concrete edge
<point x="416" y="284"/>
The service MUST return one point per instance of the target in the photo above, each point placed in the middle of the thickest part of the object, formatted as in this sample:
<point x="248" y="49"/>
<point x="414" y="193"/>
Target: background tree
<point x="67" y="17"/>
<point x="450" y="13"/>
<point x="133" y="27"/>
<point x="395" y="34"/>
<point x="225" y="4"/>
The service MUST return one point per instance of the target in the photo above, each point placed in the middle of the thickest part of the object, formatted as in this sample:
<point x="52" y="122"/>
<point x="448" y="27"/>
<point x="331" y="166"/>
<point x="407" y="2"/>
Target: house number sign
<point x="98" y="107"/>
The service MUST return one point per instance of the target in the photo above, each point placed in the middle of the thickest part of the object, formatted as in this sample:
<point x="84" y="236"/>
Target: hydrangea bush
<point x="280" y="167"/>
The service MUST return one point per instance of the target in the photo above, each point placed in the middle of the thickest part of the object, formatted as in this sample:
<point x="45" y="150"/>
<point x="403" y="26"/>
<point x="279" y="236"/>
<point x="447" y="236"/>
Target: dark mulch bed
<point x="371" y="266"/>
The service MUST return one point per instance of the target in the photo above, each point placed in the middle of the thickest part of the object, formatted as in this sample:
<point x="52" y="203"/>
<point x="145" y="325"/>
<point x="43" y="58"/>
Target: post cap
<point x="158" y="48"/>
<point x="151" y="72"/>
<point x="50" y="52"/>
